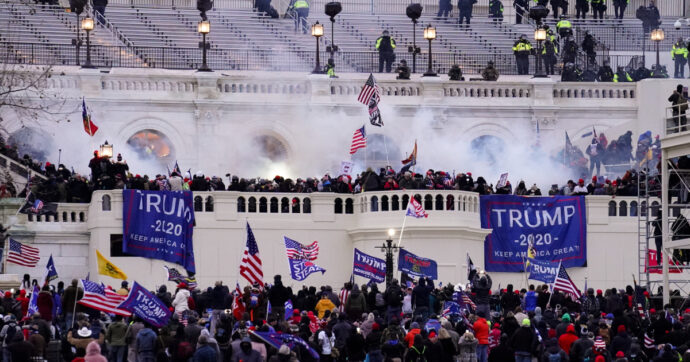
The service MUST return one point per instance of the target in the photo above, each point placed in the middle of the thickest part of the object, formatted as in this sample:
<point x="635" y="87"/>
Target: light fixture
<point x="317" y="32"/>
<point x="204" y="27"/>
<point x="87" y="25"/>
<point x="391" y="233"/>
<point x="657" y="36"/>
<point x="539" y="36"/>
<point x="106" y="150"/>
<point x="430" y="34"/>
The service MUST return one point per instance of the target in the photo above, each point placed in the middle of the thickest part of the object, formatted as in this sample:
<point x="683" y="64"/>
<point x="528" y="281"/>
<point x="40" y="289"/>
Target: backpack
<point x="554" y="357"/>
<point x="379" y="300"/>
<point x="420" y="357"/>
<point x="393" y="298"/>
<point x="682" y="103"/>
<point x="11" y="330"/>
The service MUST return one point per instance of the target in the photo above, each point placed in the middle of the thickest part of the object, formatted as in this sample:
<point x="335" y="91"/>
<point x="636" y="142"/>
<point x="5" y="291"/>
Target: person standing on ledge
<point x="385" y="45"/>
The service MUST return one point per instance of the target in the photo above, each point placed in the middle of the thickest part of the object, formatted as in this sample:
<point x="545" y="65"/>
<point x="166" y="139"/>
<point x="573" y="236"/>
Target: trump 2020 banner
<point x="145" y="305"/>
<point x="416" y="265"/>
<point x="554" y="227"/>
<point x="542" y="270"/>
<point x="369" y="267"/>
<point x="159" y="225"/>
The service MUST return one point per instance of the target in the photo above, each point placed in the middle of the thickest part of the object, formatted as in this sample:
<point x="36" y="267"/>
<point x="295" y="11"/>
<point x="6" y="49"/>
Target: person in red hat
<point x="621" y="342"/>
<point x="181" y="301"/>
<point x="580" y="188"/>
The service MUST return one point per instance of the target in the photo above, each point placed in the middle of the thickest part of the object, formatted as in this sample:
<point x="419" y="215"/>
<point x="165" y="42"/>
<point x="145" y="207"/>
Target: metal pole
<point x="414" y="46"/>
<point x="664" y="223"/>
<point x="88" y="51"/>
<point x="657" y="56"/>
<point x="389" y="261"/>
<point x="78" y="39"/>
<point x="317" y="67"/>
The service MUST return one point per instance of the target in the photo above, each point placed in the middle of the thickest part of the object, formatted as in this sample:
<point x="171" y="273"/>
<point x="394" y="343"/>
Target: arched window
<point x="396" y="203"/>
<point x="274" y="205"/>
<point x="349" y="206"/>
<point x="612" y="208"/>
<point x="263" y="205"/>
<point x="295" y="205"/>
<point x="338" y="208"/>
<point x="73" y="216"/>
<point x="209" y="204"/>
<point x="252" y="204"/>
<point x="241" y="204"/>
<point x="384" y="203"/>
<point x="633" y="208"/>
<point x="428" y="202"/>
<point x="450" y="202"/>
<point x="405" y="201"/>
<point x="439" y="202"/>
<point x="82" y="217"/>
<point x="105" y="203"/>
<point x="374" y="203"/>
<point x="198" y="203"/>
<point x="152" y="144"/>
<point x="64" y="217"/>
<point x="285" y="205"/>
<point x="307" y="205"/>
<point x="623" y="209"/>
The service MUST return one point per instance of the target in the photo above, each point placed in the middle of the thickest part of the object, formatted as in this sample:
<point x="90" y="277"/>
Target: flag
<point x="237" y="304"/>
<point x="98" y="297"/>
<point x="471" y="269"/>
<point x="38" y="207"/>
<point x="251" y="268"/>
<point x="537" y="142"/>
<point x="276" y="340"/>
<point x="375" y="113"/>
<point x="359" y="140"/>
<point x="295" y="250"/>
<point x="51" y="272"/>
<point x="648" y="341"/>
<point x="184" y="320"/>
<point x="655" y="268"/>
<point x="175" y="276"/>
<point x="467" y="301"/>
<point x="288" y="309"/>
<point x="300" y="269"/>
<point x="22" y="255"/>
<point x="411" y="160"/>
<point x="450" y="308"/>
<point x="370" y="91"/>
<point x="565" y="284"/>
<point x="177" y="169"/>
<point x="105" y="267"/>
<point x="33" y="303"/>
<point x="89" y="127"/>
<point x="415" y="209"/>
<point x="269" y="309"/>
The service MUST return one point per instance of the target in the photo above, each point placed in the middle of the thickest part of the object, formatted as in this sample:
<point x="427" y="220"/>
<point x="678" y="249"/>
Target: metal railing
<point x="269" y="59"/>
<point x="676" y="120"/>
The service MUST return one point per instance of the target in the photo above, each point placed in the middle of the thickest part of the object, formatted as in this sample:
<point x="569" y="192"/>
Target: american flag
<point x="468" y="301"/>
<point x="450" y="308"/>
<point x="296" y="250"/>
<point x="98" y="297"/>
<point x="251" y="267"/>
<point x="38" y="205"/>
<point x="414" y="208"/>
<point x="184" y="320"/>
<point x="565" y="284"/>
<point x="359" y="140"/>
<point x="370" y="91"/>
<point x="22" y="254"/>
<point x="648" y="341"/>
<point x="343" y="296"/>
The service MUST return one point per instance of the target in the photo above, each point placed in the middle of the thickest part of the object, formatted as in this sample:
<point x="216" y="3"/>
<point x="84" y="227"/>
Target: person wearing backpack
<point x="7" y="333"/>
<point x="393" y="296"/>
<point x="146" y="344"/>
<point x="553" y="352"/>
<point x="680" y="106"/>
<point x="418" y="352"/>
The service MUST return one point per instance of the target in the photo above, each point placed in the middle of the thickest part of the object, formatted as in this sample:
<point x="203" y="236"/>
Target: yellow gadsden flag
<point x="105" y="267"/>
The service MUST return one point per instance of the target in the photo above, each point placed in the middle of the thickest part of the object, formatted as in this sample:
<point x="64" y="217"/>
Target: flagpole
<point x="385" y="145"/>
<point x="552" y="283"/>
<point x="402" y="229"/>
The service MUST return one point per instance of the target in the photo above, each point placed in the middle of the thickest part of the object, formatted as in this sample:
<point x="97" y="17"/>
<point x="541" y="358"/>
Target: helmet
<point x="386" y="33"/>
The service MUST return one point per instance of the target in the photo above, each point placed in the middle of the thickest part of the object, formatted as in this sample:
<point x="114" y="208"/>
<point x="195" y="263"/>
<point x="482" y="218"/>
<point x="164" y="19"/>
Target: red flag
<point x="89" y="127"/>
<point x="237" y="304"/>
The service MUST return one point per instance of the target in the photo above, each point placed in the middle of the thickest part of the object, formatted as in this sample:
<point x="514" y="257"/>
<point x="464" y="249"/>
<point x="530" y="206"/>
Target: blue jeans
<point x="482" y="353"/>
<point x="117" y="353"/>
<point x="522" y="357"/>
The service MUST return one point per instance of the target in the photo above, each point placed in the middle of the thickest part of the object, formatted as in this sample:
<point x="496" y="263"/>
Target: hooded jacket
<point x="180" y="303"/>
<point x="93" y="353"/>
<point x="566" y="340"/>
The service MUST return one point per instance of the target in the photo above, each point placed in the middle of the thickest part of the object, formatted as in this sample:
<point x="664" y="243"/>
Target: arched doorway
<point x="487" y="148"/>
<point x="153" y="145"/>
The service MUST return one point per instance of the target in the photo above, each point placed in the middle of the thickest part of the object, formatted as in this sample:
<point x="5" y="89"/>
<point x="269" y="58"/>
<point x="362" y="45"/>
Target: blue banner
<point x="159" y="225"/>
<point x="277" y="339"/>
<point x="542" y="270"/>
<point x="369" y="267"/>
<point x="300" y="269"/>
<point x="416" y="265"/>
<point x="33" y="303"/>
<point x="554" y="228"/>
<point x="145" y="305"/>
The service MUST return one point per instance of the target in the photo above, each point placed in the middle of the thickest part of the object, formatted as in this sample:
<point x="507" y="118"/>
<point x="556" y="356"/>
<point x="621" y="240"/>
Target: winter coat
<point x="481" y="331"/>
<point x="180" y="303"/>
<point x="566" y="341"/>
<point x="45" y="305"/>
<point x="356" y="304"/>
<point x="467" y="350"/>
<point x="93" y="353"/>
<point x="523" y="340"/>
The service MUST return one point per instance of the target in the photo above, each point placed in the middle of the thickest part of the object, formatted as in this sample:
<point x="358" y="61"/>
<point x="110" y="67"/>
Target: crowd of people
<point x="403" y="322"/>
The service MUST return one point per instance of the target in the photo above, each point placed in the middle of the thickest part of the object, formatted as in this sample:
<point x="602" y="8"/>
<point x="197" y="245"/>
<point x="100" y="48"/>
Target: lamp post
<point x="204" y="28"/>
<point x="77" y="42"/>
<point x="87" y="25"/>
<point x="657" y="36"/>
<point x="430" y="34"/>
<point x="317" y="32"/>
<point x="106" y="150"/>
<point x="389" y="249"/>
<point x="539" y="36"/>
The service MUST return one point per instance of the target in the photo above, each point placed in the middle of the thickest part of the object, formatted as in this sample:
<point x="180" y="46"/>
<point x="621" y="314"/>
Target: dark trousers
<point x="594" y="162"/>
<point x="549" y="62"/>
<point x="117" y="354"/>
<point x="443" y="11"/>
<point x="679" y="70"/>
<point x="598" y="12"/>
<point x="522" y="64"/>
<point x="555" y="11"/>
<point x="465" y="15"/>
<point x="580" y="11"/>
<point x="386" y="57"/>
<point x="518" y="16"/>
<point x="619" y="9"/>
<point x="301" y="15"/>
<point x="657" y="241"/>
<point x="101" y="11"/>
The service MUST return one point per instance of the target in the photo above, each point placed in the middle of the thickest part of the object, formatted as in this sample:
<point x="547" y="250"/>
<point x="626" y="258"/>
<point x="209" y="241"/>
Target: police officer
<point x="582" y="7"/>
<point x="522" y="50"/>
<point x="622" y="76"/>
<point x="386" y="47"/>
<point x="598" y="8"/>
<point x="619" y="8"/>
<point x="301" y="11"/>
<point x="465" y="10"/>
<point x="555" y="4"/>
<point x="605" y="73"/>
<point x="490" y="73"/>
<point x="588" y="45"/>
<point x="569" y="50"/>
<point x="403" y="70"/>
<point x="569" y="73"/>
<point x="564" y="27"/>
<point x="521" y="6"/>
<point x="679" y="54"/>
<point x="330" y="68"/>
<point x="455" y="73"/>
<point x="444" y="9"/>
<point x="550" y="56"/>
<point x="496" y="10"/>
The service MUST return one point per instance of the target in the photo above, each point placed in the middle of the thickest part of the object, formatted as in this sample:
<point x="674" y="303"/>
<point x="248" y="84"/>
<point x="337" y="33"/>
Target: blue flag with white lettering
<point x="159" y="225"/>
<point x="542" y="270"/>
<point x="288" y="309"/>
<point x="51" y="272"/>
<point x="300" y="269"/>
<point x="369" y="267"/>
<point x="145" y="305"/>
<point x="554" y="227"/>
<point x="33" y="303"/>
<point x="416" y="265"/>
